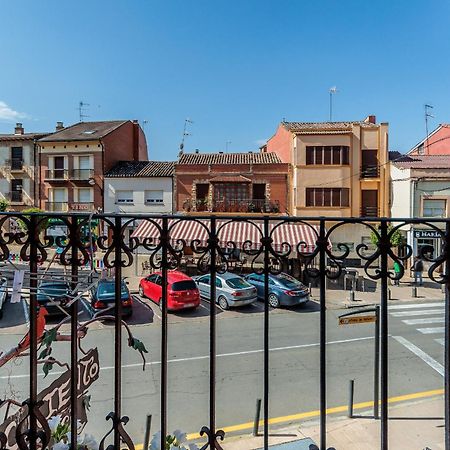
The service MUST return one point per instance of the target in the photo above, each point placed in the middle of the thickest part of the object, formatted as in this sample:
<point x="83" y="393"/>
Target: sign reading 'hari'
<point x="56" y="397"/>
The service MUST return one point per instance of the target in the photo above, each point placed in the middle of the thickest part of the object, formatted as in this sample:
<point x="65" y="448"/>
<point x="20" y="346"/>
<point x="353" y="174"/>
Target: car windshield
<point x="185" y="285"/>
<point x="238" y="283"/>
<point x="289" y="282"/>
<point x="50" y="288"/>
<point x="107" y="289"/>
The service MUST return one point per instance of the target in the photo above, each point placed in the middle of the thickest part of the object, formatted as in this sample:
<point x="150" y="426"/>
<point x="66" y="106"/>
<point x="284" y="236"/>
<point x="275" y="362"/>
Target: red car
<point x="182" y="291"/>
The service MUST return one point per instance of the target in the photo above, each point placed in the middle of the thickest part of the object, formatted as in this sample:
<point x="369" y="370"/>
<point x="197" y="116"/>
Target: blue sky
<point x="236" y="68"/>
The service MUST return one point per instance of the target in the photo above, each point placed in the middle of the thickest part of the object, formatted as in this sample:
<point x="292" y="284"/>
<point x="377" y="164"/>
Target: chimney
<point x="371" y="119"/>
<point x="19" y="128"/>
<point x="136" y="129"/>
<point x="59" y="126"/>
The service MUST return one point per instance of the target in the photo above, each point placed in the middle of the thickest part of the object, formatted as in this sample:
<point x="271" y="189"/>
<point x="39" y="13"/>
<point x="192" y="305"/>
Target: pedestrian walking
<point x="397" y="271"/>
<point x="418" y="269"/>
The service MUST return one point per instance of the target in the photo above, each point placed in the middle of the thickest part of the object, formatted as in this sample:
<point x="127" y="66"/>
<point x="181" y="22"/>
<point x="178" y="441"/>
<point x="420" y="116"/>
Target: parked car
<point x="231" y="289"/>
<point x="182" y="292"/>
<point x="283" y="289"/>
<point x="3" y="294"/>
<point x="53" y="295"/>
<point x="102" y="296"/>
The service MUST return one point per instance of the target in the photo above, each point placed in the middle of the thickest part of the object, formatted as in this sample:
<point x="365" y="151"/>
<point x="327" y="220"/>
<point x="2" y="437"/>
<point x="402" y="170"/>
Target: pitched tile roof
<point x="229" y="158"/>
<point x="423" y="162"/>
<point x="394" y="155"/>
<point x="324" y="127"/>
<point x="136" y="169"/>
<point x="230" y="179"/>
<point x="85" y="131"/>
<point x="22" y="137"/>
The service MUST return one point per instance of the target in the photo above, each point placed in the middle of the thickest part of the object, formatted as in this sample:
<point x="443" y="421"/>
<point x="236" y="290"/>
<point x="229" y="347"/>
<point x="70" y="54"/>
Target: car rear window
<point x="48" y="287"/>
<point x="185" y="285"/>
<point x="289" y="282"/>
<point x="109" y="289"/>
<point x="238" y="283"/>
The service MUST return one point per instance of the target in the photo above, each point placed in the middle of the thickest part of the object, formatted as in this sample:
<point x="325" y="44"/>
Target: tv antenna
<point x="185" y="133"/>
<point x="226" y="146"/>
<point x="333" y="90"/>
<point x="82" y="108"/>
<point x="427" y="115"/>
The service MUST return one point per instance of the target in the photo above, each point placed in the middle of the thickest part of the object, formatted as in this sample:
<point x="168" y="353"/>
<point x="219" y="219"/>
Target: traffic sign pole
<point x="376" y="375"/>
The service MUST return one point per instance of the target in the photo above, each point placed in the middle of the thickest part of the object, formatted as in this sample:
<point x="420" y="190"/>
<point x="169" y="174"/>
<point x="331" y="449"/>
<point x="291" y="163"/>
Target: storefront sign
<point x="56" y="397"/>
<point x="427" y="234"/>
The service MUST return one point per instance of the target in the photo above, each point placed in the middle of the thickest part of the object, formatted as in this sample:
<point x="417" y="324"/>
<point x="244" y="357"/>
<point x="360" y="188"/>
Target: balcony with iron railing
<point x="15" y="196"/>
<point x="251" y="206"/>
<point x="56" y="175"/>
<point x="370" y="171"/>
<point x="15" y="164"/>
<point x="370" y="211"/>
<point x="180" y="363"/>
<point x="81" y="174"/>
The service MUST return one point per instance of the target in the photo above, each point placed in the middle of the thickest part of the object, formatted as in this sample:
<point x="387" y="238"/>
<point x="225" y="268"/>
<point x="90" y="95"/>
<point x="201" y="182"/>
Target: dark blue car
<point x="283" y="289"/>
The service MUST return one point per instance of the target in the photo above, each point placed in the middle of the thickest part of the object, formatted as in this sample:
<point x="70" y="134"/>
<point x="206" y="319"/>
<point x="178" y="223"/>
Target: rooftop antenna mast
<point x="227" y="144"/>
<point x="82" y="107"/>
<point x="185" y="133"/>
<point x="333" y="90"/>
<point x="427" y="115"/>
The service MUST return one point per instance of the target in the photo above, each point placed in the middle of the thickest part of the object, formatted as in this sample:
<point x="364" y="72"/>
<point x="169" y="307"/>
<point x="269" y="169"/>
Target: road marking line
<point x="316" y="413"/>
<point x="426" y="312"/>
<point x="197" y="358"/>
<point x="425" y="357"/>
<point x="440" y="341"/>
<point x="423" y="321"/>
<point x="26" y="313"/>
<point x="431" y="330"/>
<point x="416" y="305"/>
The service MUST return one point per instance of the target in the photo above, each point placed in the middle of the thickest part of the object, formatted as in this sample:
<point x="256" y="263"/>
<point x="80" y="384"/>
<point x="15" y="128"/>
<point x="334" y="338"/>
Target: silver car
<point x="231" y="289"/>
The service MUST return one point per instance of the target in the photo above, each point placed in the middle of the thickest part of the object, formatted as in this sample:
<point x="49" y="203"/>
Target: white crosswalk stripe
<point x="416" y="306"/>
<point x="440" y="341"/>
<point x="423" y="321"/>
<point x="431" y="330"/>
<point x="425" y="312"/>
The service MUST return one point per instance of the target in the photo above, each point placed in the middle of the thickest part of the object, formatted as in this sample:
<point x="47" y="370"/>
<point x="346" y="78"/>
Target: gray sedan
<point x="231" y="289"/>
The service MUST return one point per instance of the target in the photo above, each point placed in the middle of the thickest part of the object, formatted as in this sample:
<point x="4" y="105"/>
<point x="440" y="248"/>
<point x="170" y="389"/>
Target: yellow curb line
<point x="316" y="413"/>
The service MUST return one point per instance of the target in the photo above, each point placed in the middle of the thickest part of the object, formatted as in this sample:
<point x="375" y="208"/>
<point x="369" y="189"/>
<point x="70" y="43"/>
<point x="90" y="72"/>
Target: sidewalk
<point x="407" y="431"/>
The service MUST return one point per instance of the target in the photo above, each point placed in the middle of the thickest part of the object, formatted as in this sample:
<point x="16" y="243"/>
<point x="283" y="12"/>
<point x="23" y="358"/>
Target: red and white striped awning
<point x="237" y="232"/>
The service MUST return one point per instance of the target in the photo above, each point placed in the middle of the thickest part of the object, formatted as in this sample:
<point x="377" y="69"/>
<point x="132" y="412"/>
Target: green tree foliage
<point x="397" y="238"/>
<point x="43" y="224"/>
<point x="3" y="204"/>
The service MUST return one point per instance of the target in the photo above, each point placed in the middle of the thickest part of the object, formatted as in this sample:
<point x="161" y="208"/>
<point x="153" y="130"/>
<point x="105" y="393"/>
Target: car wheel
<point x="141" y="291"/>
<point x="222" y="301"/>
<point x="273" y="301"/>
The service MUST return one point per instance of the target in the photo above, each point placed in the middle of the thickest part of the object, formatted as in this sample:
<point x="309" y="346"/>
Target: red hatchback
<point x="182" y="291"/>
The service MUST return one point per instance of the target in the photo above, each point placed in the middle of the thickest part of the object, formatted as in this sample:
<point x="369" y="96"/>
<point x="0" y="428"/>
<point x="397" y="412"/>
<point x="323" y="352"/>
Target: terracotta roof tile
<point x="136" y="169"/>
<point x="423" y="162"/>
<point x="85" y="131"/>
<point x="229" y="158"/>
<point x="321" y="127"/>
<point x="22" y="137"/>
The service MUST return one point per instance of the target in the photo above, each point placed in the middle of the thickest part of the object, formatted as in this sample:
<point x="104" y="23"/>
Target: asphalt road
<point x="415" y="362"/>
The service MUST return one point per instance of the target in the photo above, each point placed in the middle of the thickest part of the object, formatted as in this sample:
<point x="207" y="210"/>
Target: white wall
<point x="138" y="186"/>
<point x="400" y="192"/>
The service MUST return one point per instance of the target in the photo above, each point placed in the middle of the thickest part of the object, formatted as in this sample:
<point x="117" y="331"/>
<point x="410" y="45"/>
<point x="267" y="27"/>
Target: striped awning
<point x="237" y="232"/>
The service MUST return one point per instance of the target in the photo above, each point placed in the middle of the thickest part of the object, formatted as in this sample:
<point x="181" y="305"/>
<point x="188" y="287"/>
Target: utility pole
<point x="333" y="90"/>
<point x="427" y="114"/>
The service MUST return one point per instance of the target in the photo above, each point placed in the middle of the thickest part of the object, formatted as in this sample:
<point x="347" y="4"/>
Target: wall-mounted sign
<point x="56" y="397"/>
<point x="427" y="234"/>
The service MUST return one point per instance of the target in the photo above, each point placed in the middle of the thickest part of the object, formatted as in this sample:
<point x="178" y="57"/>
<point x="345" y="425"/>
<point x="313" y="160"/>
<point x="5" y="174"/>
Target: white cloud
<point x="7" y="113"/>
<point x="260" y="142"/>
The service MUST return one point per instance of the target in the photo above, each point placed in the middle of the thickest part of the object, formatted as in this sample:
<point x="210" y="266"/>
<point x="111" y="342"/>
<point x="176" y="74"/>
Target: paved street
<point x="416" y="358"/>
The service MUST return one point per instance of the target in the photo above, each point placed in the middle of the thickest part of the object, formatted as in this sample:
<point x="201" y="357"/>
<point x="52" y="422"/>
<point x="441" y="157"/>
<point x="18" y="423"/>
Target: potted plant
<point x="175" y="441"/>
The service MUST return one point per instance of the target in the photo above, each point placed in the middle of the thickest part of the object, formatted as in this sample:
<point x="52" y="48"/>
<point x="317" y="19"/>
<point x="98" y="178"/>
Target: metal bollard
<point x="352" y="295"/>
<point x="351" y="391"/>
<point x="310" y="289"/>
<point x="389" y="294"/>
<point x="148" y="425"/>
<point x="257" y="416"/>
<point x="414" y="292"/>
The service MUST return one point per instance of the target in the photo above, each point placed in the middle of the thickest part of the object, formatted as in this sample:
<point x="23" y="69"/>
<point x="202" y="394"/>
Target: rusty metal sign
<point x="56" y="397"/>
<point x="351" y="320"/>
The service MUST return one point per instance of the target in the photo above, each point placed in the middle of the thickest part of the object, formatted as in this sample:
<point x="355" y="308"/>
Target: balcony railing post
<point x="117" y="328"/>
<point x="33" y="233"/>
<point x="164" y="268"/>
<point x="73" y="236"/>
<point x="212" y="338"/>
<point x="384" y="246"/>
<point x="266" y="331"/>
<point x="323" y="338"/>
<point x="446" y="338"/>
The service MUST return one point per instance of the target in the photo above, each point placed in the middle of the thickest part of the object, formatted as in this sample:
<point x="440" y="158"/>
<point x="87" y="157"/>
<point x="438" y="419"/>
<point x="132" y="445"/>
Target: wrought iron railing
<point x="81" y="174"/>
<point x="28" y="428"/>
<point x="56" y="206"/>
<point x="56" y="175"/>
<point x="370" y="171"/>
<point x="233" y="206"/>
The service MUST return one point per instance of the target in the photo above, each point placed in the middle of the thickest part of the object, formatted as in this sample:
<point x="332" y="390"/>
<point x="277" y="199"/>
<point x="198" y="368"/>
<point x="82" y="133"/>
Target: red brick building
<point x="73" y="162"/>
<point x="231" y="182"/>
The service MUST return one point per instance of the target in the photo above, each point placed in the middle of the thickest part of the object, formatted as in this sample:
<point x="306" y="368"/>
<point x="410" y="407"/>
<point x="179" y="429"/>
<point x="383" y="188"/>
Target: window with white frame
<point x="154" y="197"/>
<point x="434" y="208"/>
<point x="85" y="195"/>
<point x="124" y="197"/>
